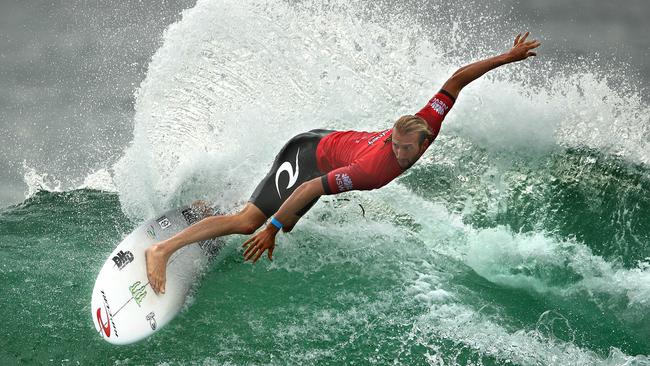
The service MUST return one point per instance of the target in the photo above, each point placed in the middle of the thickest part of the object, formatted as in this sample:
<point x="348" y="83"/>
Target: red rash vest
<point x="357" y="160"/>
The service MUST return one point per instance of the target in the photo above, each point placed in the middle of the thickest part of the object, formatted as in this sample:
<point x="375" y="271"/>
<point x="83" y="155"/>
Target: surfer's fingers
<point x="271" y="253"/>
<point x="248" y="242"/>
<point x="249" y="249"/>
<point x="250" y="254"/>
<point x="259" y="254"/>
<point x="517" y="39"/>
<point x="531" y="44"/>
<point x="252" y="251"/>
<point x="531" y="54"/>
<point x="523" y="39"/>
<point x="247" y="256"/>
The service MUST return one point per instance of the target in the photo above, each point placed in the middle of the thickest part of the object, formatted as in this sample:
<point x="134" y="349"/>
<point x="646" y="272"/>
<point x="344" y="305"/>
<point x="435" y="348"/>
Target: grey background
<point x="69" y="69"/>
<point x="68" y="72"/>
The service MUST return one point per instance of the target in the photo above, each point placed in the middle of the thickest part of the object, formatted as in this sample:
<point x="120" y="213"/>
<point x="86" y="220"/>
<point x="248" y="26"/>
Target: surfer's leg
<point x="244" y="222"/>
<point x="267" y="198"/>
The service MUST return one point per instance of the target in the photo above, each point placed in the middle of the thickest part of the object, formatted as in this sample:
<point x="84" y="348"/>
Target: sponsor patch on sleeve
<point x="343" y="182"/>
<point x="439" y="106"/>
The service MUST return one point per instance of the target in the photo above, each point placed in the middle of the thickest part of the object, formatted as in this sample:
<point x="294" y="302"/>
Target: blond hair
<point x="408" y="124"/>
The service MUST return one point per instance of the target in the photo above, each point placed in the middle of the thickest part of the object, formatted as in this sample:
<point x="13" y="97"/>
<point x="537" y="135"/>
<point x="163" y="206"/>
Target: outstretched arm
<point x="287" y="215"/>
<point x="521" y="50"/>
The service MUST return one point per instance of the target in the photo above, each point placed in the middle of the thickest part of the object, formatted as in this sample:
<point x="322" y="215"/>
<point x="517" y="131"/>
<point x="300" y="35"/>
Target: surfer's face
<point x="407" y="148"/>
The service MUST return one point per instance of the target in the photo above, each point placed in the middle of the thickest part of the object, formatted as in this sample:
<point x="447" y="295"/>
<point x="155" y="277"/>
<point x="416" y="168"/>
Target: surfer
<point x="324" y="162"/>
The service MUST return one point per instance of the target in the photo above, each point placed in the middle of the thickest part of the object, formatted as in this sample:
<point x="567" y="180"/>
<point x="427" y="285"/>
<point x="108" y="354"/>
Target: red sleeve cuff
<point x="436" y="110"/>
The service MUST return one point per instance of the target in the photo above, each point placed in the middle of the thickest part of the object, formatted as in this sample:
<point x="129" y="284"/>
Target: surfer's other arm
<point x="520" y="50"/>
<point x="287" y="216"/>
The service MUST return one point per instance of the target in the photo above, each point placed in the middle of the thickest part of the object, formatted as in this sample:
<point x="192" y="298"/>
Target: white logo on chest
<point x="286" y="167"/>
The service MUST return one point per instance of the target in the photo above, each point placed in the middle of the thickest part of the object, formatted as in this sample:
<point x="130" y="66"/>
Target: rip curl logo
<point x="286" y="167"/>
<point x="343" y="182"/>
<point x="104" y="327"/>
<point x="439" y="106"/>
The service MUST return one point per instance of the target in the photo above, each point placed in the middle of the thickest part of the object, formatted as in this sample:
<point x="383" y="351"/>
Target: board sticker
<point x="164" y="222"/>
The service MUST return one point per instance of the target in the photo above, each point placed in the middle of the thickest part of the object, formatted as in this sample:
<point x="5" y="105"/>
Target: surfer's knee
<point x="249" y="220"/>
<point x="248" y="226"/>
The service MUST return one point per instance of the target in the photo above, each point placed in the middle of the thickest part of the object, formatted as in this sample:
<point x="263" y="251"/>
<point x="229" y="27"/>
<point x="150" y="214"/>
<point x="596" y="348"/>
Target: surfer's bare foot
<point x="156" y="267"/>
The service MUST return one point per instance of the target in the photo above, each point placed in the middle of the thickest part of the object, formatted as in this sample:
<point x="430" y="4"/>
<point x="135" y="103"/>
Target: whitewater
<point x="522" y="237"/>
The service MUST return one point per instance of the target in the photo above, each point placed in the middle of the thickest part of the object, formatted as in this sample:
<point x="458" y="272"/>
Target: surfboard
<point x="124" y="308"/>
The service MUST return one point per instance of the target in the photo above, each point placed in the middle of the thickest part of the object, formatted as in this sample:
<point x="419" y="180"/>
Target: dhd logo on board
<point x="123" y="258"/>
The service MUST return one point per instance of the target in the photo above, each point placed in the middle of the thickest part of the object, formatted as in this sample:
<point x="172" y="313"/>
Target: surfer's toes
<point x="160" y="287"/>
<point x="157" y="285"/>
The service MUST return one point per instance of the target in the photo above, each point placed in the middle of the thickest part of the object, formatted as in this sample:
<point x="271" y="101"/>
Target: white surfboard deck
<point x="124" y="307"/>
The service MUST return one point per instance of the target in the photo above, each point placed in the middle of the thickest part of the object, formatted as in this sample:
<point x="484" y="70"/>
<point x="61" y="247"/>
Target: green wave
<point x="598" y="199"/>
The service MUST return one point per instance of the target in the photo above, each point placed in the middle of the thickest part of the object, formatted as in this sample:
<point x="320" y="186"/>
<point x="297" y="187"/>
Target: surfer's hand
<point x="259" y="243"/>
<point x="521" y="48"/>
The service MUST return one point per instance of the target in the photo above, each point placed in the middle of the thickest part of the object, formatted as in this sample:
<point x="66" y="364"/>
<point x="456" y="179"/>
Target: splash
<point x="100" y="180"/>
<point x="233" y="81"/>
<point x="226" y="94"/>
<point x="539" y="263"/>
<point x="37" y="182"/>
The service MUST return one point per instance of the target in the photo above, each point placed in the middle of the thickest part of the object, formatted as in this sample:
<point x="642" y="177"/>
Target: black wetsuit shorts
<point x="294" y="165"/>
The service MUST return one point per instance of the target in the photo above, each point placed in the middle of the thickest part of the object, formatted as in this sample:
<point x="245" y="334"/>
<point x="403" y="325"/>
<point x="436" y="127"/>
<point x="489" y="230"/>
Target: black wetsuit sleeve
<point x="326" y="185"/>
<point x="444" y="92"/>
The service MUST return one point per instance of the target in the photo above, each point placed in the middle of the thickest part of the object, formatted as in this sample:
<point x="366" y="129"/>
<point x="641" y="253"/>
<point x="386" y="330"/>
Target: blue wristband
<point x="276" y="223"/>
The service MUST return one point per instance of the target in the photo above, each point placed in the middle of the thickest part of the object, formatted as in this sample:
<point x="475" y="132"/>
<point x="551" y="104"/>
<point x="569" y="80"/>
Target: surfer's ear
<point x="425" y="145"/>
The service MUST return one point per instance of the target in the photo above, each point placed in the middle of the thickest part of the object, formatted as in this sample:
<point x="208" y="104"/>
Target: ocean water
<point x="522" y="237"/>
